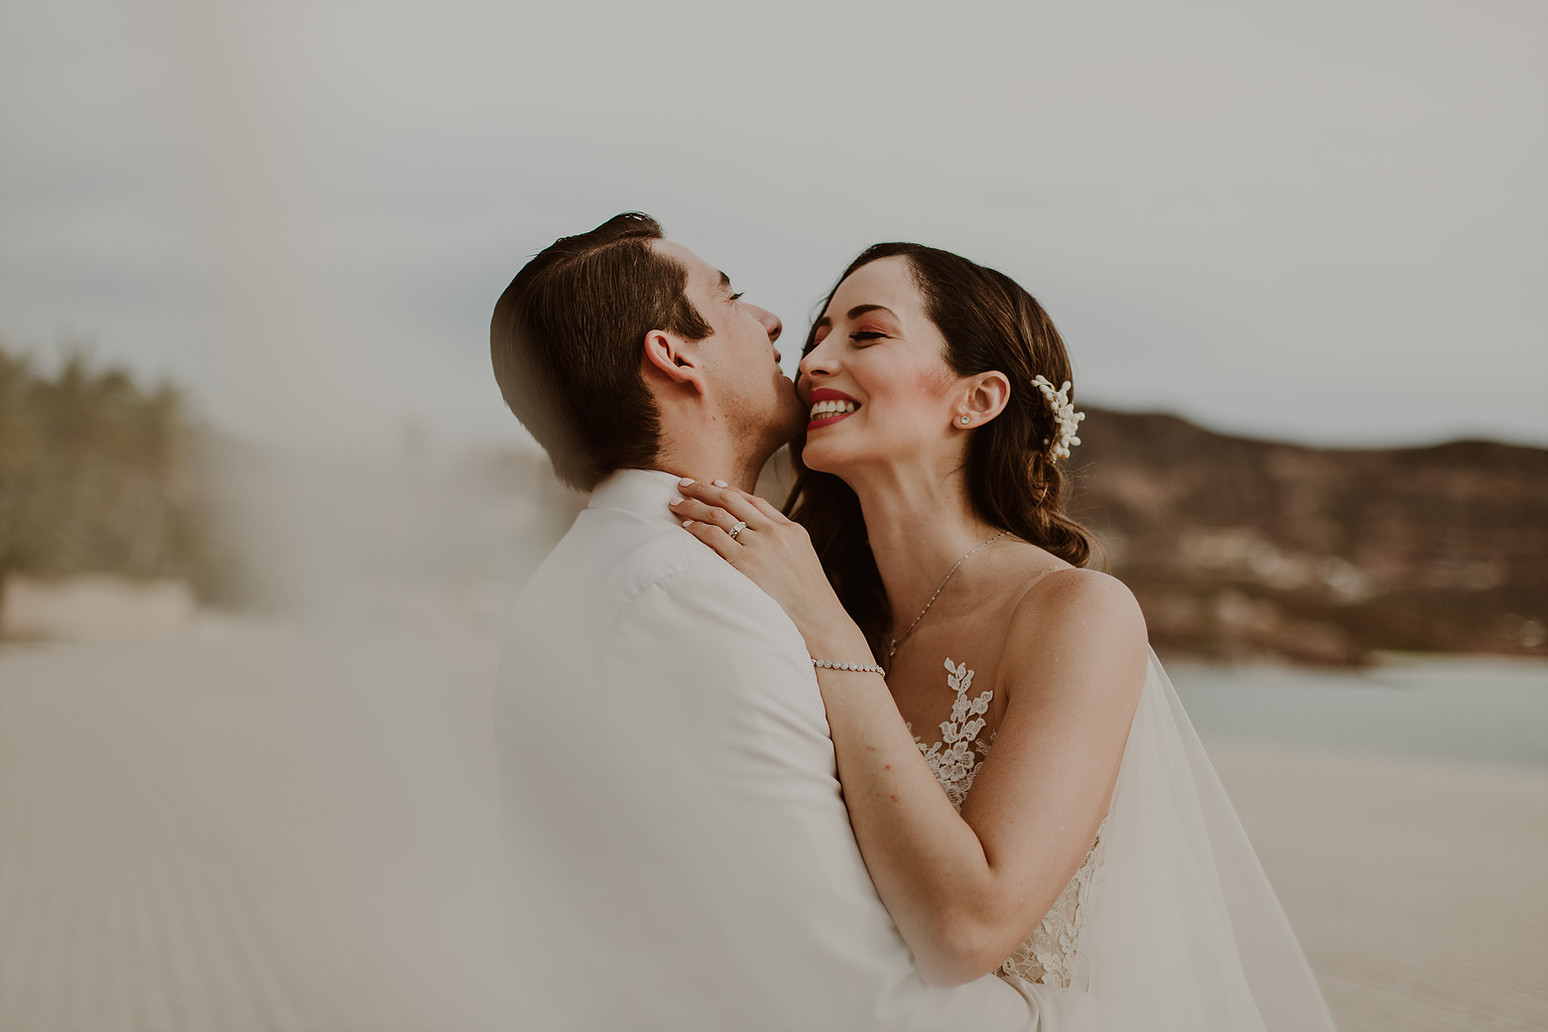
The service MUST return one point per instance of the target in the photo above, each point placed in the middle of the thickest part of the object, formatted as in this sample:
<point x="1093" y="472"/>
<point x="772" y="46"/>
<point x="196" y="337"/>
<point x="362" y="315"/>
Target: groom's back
<point x="681" y="856"/>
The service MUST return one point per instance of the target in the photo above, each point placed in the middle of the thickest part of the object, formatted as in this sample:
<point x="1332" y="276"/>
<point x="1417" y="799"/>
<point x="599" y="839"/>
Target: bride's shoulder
<point x="1066" y="585"/>
<point x="1070" y="614"/>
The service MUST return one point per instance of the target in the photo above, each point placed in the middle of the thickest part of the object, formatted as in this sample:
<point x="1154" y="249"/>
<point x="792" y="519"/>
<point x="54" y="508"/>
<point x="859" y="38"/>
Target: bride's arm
<point x="966" y="889"/>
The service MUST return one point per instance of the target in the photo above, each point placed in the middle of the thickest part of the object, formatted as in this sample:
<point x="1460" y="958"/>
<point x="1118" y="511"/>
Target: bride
<point x="961" y="643"/>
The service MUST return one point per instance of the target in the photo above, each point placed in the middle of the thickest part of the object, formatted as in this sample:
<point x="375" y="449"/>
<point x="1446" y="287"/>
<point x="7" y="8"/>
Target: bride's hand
<point x="774" y="552"/>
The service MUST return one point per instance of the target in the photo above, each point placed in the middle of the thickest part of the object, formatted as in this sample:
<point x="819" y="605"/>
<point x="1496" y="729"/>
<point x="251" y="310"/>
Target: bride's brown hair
<point x="1013" y="482"/>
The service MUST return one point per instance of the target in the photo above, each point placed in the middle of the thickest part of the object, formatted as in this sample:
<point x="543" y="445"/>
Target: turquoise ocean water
<point x="1465" y="708"/>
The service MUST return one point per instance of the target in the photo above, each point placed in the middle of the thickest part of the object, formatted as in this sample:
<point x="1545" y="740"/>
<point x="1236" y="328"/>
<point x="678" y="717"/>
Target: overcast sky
<point x="1322" y="221"/>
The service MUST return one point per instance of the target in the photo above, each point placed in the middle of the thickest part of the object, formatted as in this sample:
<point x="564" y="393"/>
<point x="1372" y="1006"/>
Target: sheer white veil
<point x="1184" y="931"/>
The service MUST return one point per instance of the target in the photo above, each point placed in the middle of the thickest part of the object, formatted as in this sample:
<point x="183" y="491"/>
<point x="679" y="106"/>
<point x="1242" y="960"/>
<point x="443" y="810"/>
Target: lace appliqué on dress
<point x="955" y="758"/>
<point x="1048" y="955"/>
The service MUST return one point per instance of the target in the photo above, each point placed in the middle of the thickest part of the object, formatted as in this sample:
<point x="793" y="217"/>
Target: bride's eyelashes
<point x="859" y="338"/>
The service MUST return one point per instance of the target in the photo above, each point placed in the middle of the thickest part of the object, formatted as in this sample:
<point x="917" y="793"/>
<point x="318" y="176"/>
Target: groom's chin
<point x="794" y="425"/>
<point x="783" y="433"/>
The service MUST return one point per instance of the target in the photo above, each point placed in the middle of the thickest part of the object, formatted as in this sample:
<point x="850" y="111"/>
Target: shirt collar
<point x="644" y="491"/>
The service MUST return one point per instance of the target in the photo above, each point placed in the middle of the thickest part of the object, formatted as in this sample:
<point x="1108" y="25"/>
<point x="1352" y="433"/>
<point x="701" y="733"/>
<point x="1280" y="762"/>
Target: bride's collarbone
<point x="979" y="610"/>
<point x="970" y="631"/>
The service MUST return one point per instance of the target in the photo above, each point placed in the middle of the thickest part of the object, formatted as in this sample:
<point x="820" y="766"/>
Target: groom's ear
<point x="666" y="356"/>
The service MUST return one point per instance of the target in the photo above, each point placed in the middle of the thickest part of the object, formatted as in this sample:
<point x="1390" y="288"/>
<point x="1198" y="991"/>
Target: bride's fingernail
<point x="676" y="501"/>
<point x="685" y="481"/>
<point x="721" y="483"/>
<point x="687" y="523"/>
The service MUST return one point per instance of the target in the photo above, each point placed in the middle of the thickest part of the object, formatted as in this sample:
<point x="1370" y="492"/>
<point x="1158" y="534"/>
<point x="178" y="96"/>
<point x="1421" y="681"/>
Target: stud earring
<point x="966" y="420"/>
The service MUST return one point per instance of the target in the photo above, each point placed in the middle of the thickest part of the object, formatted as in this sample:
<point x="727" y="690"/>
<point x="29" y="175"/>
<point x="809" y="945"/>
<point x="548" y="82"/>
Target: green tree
<point x="97" y="474"/>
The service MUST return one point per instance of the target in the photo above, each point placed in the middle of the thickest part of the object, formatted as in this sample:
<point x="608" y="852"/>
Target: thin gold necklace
<point x="894" y="643"/>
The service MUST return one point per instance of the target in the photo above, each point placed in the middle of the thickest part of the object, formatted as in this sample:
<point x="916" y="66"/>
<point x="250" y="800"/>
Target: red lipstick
<point x="828" y="394"/>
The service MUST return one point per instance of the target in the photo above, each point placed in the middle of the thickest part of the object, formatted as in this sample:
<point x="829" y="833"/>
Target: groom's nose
<point x="770" y="322"/>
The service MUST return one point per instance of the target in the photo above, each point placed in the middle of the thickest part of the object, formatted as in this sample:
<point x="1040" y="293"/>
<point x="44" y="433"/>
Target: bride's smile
<point x="828" y="407"/>
<point x="876" y="349"/>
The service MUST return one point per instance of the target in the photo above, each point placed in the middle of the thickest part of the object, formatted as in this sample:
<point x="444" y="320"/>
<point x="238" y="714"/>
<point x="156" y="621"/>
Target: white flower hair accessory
<point x="1065" y="416"/>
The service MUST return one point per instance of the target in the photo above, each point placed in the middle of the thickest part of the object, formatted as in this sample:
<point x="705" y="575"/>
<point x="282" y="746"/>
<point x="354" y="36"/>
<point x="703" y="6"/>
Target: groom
<point x="680" y="853"/>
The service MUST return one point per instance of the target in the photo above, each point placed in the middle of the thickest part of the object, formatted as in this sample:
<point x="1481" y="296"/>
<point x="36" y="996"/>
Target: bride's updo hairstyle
<point x="1013" y="481"/>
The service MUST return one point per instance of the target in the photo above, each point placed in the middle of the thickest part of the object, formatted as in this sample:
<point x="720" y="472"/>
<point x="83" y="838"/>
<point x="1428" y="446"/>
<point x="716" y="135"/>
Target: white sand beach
<point x="292" y="830"/>
<point x="1418" y="887"/>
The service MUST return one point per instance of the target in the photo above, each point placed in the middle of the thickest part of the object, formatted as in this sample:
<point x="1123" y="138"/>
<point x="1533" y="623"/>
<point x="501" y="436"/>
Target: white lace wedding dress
<point x="1170" y="922"/>
<point x="1048" y="954"/>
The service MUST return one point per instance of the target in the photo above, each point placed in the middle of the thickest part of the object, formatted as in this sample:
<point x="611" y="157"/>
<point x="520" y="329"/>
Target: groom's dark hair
<point x="566" y="341"/>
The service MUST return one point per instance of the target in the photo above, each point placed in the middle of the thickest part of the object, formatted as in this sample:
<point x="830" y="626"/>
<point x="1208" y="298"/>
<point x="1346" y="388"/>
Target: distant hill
<point x="1244" y="549"/>
<point x="1236" y="548"/>
<point x="1240" y="548"/>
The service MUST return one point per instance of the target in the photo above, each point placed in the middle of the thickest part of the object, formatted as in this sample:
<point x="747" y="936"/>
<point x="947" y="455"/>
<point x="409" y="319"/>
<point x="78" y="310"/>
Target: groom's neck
<point x="696" y="440"/>
<point x="708" y="475"/>
<point x="709" y="461"/>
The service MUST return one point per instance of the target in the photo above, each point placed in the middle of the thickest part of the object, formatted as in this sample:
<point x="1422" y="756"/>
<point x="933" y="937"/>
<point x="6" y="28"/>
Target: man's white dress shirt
<point x="680" y="855"/>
